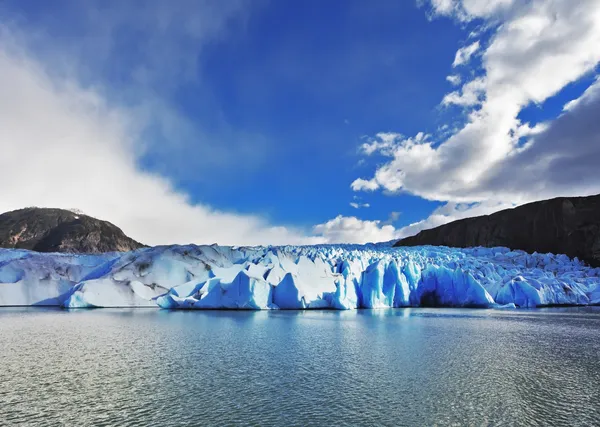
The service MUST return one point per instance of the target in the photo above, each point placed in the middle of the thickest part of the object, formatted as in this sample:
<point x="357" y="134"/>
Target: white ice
<point x="339" y="277"/>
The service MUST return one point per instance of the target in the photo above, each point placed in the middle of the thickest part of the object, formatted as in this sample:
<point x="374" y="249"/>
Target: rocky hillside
<point x="565" y="225"/>
<point x="58" y="230"/>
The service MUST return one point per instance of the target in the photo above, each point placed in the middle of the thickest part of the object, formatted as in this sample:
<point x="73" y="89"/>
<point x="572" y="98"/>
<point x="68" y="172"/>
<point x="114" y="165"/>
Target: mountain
<point x="565" y="225"/>
<point x="59" y="230"/>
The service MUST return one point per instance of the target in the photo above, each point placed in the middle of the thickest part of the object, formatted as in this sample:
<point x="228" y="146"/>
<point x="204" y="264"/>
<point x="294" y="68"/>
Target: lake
<point x="367" y="367"/>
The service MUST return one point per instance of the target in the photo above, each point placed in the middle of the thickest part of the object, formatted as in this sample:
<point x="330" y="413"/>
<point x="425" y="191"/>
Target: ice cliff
<point x="312" y="277"/>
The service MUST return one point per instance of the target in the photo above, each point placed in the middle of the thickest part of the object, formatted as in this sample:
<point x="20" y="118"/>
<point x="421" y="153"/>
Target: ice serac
<point x="345" y="296"/>
<point x="341" y="277"/>
<point x="444" y="287"/>
<point x="31" y="278"/>
<point x="375" y="292"/>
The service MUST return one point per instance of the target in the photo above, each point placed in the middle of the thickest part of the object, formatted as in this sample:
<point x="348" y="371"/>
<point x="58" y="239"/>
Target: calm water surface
<point x="381" y="367"/>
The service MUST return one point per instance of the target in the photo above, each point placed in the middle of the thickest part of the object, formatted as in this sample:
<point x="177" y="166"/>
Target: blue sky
<point x="263" y="121"/>
<point x="310" y="82"/>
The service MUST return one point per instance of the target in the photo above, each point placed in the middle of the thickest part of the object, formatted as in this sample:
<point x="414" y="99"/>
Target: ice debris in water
<point x="342" y="277"/>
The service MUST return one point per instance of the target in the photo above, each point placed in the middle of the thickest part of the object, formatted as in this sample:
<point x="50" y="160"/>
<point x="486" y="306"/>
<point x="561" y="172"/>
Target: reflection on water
<point x="384" y="367"/>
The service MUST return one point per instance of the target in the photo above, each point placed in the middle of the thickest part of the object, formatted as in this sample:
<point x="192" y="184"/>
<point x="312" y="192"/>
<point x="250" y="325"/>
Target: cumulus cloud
<point x="351" y="229"/>
<point x="561" y="158"/>
<point x="539" y="47"/>
<point x="356" y="205"/>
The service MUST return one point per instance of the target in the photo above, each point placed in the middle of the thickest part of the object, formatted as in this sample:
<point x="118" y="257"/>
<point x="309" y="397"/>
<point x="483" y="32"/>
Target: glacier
<point x="341" y="277"/>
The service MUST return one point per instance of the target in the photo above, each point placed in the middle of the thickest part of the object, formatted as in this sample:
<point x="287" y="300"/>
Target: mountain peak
<point x="61" y="230"/>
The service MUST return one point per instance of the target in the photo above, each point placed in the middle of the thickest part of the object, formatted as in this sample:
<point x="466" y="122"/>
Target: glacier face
<point x="339" y="277"/>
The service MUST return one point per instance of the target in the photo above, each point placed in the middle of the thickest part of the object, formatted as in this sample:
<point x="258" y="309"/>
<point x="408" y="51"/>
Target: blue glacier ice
<point x="341" y="277"/>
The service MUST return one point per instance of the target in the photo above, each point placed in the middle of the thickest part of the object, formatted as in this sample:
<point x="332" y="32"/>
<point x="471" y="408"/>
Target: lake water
<point x="370" y="367"/>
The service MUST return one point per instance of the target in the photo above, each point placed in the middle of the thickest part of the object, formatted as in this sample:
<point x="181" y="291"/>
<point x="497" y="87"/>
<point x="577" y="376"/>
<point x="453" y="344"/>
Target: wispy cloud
<point x="464" y="54"/>
<point x="170" y="41"/>
<point x="454" y="79"/>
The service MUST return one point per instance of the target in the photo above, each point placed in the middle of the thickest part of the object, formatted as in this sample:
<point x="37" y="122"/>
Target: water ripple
<point x="391" y="367"/>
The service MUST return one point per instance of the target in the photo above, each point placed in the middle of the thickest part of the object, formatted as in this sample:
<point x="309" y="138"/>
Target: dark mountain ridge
<point x="59" y="230"/>
<point x="564" y="225"/>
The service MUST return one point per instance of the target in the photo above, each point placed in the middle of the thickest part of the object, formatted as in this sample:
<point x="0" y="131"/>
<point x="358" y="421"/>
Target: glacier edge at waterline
<point x="342" y="277"/>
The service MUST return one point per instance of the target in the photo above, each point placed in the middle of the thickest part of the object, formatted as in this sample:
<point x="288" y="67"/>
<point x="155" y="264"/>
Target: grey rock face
<point x="565" y="225"/>
<point x="58" y="230"/>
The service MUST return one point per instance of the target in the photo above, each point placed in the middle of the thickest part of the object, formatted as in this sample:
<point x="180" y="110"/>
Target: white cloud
<point x="65" y="146"/>
<point x="343" y="229"/>
<point x="193" y="144"/>
<point x="466" y="10"/>
<point x="386" y="142"/>
<point x="471" y="94"/>
<point x="539" y="47"/>
<point x="356" y="205"/>
<point x="591" y="94"/>
<point x="417" y="152"/>
<point x="464" y="54"/>
<point x="444" y="6"/>
<point x="486" y="8"/>
<point x="383" y="142"/>
<point x="454" y="79"/>
<point x="351" y="229"/>
<point x="360" y="184"/>
<point x="561" y="157"/>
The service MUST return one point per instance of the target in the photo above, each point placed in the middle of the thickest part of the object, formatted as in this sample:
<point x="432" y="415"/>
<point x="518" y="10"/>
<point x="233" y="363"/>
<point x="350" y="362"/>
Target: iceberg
<point x="340" y="277"/>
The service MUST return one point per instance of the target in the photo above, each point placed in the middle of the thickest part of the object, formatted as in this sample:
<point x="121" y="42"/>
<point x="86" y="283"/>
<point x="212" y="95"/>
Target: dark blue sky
<point x="310" y="80"/>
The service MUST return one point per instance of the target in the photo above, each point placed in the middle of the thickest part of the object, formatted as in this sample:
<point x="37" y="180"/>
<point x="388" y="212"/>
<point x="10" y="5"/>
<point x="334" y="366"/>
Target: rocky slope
<point x="565" y="225"/>
<point x="58" y="230"/>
